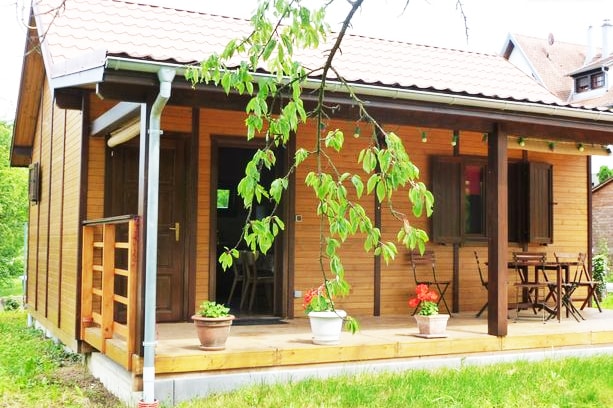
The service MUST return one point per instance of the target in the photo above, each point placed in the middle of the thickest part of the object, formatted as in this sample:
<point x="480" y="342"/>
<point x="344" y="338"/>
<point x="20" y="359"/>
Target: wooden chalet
<point x="104" y="109"/>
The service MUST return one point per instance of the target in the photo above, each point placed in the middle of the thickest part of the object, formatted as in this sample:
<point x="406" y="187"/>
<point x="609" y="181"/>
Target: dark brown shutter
<point x="517" y="194"/>
<point x="446" y="183"/>
<point x="540" y="201"/>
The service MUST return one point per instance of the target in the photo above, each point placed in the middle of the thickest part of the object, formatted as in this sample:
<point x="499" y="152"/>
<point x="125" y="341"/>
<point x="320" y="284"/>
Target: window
<point x="34" y="183"/>
<point x="597" y="80"/>
<point x="589" y="81"/>
<point x="474" y="199"/>
<point x="223" y="198"/>
<point x="460" y="194"/>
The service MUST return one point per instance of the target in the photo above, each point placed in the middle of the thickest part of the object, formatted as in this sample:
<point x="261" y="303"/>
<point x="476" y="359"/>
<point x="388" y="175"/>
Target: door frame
<point x="189" y="144"/>
<point x="281" y="305"/>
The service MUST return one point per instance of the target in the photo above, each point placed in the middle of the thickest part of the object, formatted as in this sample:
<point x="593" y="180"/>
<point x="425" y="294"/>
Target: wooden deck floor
<point x="289" y="344"/>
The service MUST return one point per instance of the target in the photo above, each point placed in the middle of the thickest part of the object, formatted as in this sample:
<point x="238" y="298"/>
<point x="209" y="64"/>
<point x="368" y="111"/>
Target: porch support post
<point x="497" y="231"/>
<point x="165" y="75"/>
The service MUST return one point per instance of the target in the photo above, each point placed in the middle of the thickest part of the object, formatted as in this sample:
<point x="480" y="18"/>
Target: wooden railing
<point x="109" y="285"/>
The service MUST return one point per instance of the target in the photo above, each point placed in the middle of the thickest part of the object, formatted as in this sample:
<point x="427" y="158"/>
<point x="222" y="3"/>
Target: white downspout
<point x="165" y="75"/>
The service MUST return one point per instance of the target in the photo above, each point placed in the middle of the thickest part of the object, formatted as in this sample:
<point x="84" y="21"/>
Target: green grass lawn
<point x="607" y="302"/>
<point x="573" y="382"/>
<point x="35" y="372"/>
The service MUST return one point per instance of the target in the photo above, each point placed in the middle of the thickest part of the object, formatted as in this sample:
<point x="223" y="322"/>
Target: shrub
<point x="10" y="304"/>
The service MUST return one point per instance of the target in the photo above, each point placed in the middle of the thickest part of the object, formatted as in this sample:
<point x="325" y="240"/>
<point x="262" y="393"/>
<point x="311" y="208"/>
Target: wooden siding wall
<point x="53" y="221"/>
<point x="358" y="265"/>
<point x="54" y="224"/>
<point x="570" y="217"/>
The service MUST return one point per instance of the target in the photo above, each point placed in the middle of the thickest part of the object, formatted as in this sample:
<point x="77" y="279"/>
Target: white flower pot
<point x="432" y="326"/>
<point x="326" y="326"/>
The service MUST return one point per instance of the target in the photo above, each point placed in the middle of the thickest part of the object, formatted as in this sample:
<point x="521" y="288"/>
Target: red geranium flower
<point x="425" y="299"/>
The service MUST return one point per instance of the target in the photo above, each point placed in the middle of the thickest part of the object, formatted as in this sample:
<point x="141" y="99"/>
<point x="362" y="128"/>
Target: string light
<point x="521" y="141"/>
<point x="484" y="138"/>
<point x="580" y="147"/>
<point x="424" y="137"/>
<point x="552" y="146"/>
<point x="454" y="138"/>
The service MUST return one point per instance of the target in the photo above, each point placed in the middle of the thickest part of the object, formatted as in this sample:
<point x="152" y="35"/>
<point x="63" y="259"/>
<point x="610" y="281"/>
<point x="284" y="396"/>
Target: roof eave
<point x="541" y="108"/>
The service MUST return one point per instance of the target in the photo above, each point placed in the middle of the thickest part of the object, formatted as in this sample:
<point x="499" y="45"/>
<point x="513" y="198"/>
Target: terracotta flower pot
<point x="213" y="331"/>
<point x="326" y="326"/>
<point x="432" y="326"/>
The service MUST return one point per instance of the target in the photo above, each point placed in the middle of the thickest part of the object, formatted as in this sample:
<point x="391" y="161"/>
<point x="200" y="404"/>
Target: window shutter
<point x="446" y="182"/>
<point x="517" y="199"/>
<point x="540" y="202"/>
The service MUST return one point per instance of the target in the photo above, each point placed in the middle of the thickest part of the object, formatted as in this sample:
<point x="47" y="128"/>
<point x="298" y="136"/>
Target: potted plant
<point x="327" y="321"/>
<point x="429" y="322"/>
<point x="213" y="321"/>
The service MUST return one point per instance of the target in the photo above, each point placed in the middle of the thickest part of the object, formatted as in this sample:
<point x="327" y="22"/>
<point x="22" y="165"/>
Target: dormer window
<point x="589" y="81"/>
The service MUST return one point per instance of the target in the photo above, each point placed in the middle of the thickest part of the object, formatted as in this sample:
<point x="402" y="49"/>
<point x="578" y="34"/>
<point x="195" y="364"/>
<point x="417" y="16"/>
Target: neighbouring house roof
<point x="553" y="63"/>
<point x="602" y="185"/>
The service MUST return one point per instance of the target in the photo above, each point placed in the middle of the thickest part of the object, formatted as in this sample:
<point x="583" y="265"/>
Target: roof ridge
<point x="142" y="3"/>
<point x="415" y="44"/>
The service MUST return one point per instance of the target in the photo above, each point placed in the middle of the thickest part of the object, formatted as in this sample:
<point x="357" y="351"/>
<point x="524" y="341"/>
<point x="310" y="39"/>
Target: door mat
<point x="253" y="321"/>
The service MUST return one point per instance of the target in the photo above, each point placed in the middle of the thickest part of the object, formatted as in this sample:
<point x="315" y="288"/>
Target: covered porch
<point x="281" y="352"/>
<point x="384" y="337"/>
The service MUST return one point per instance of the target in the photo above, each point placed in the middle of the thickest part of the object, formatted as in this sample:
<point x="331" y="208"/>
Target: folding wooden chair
<point x="570" y="261"/>
<point x="426" y="262"/>
<point x="239" y="277"/>
<point x="255" y="276"/>
<point x="529" y="290"/>
<point x="483" y="283"/>
<point x="583" y="278"/>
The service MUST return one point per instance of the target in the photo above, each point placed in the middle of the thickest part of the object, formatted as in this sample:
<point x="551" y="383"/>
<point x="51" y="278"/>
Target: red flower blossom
<point x="425" y="299"/>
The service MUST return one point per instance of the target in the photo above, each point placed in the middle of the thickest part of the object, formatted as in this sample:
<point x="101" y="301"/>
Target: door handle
<point x="177" y="230"/>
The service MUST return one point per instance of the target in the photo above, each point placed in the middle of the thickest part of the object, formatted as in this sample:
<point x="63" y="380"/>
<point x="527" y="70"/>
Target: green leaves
<point x="227" y="257"/>
<point x="13" y="210"/>
<point x="260" y="234"/>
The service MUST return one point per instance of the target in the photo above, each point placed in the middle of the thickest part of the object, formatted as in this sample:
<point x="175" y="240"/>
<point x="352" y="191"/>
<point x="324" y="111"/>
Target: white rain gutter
<point x="165" y="75"/>
<point x="127" y="64"/>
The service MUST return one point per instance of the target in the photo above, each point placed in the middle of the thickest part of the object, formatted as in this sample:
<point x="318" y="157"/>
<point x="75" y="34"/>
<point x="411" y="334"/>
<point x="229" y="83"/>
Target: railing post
<point x="108" y="279"/>
<point x="87" y="278"/>
<point x="132" y="286"/>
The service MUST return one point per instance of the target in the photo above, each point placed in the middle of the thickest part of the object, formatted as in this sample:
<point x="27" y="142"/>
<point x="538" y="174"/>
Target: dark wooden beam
<point x="69" y="98"/>
<point x="139" y="87"/>
<point x="497" y="224"/>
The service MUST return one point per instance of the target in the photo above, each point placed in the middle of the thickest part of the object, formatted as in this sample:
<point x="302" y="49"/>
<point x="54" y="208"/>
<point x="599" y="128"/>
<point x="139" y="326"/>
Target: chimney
<point x="606" y="28"/>
<point x="589" y="56"/>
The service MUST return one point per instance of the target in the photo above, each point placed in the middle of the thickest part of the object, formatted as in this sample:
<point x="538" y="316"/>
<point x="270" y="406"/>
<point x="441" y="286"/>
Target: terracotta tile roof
<point x="123" y="28"/>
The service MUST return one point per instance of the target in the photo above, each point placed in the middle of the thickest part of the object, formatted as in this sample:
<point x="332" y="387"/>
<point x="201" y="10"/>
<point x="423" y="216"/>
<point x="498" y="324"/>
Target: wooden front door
<point x="172" y="274"/>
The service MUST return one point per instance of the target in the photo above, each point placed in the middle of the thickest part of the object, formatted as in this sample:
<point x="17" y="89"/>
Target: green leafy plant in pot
<point x="213" y="321"/>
